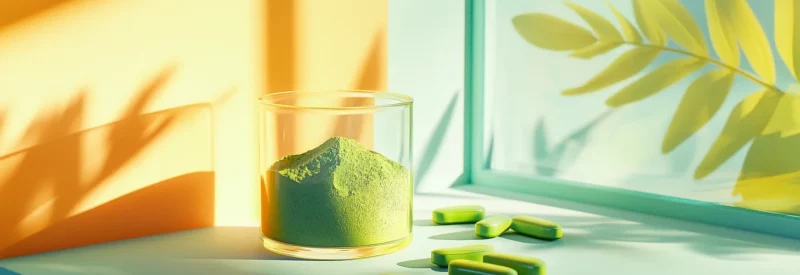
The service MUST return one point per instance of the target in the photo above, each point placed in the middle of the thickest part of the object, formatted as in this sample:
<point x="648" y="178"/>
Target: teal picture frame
<point x="476" y="173"/>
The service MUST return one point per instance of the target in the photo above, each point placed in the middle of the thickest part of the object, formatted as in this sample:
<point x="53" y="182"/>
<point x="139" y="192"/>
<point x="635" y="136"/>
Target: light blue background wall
<point x="426" y="61"/>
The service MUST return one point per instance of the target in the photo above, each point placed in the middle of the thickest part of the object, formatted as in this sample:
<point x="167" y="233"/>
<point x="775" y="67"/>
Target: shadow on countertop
<point x="610" y="228"/>
<point x="464" y="235"/>
<point x="424" y="222"/>
<point x="212" y="250"/>
<point x="213" y="243"/>
<point x="422" y="263"/>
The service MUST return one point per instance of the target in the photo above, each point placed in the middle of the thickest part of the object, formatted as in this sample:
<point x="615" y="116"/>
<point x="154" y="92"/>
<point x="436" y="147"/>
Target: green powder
<point x="339" y="194"/>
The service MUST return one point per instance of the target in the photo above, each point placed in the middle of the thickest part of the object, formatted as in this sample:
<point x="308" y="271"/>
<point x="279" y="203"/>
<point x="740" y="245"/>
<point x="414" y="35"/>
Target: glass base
<point x="334" y="253"/>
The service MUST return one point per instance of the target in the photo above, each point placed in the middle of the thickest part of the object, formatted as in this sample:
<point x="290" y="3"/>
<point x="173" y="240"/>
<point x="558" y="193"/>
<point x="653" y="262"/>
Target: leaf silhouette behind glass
<point x="753" y="40"/>
<point x="678" y="24"/>
<point x="732" y="26"/>
<point x="625" y="66"/>
<point x="787" y="34"/>
<point x="595" y="49"/>
<point x="745" y="123"/>
<point x="719" y="29"/>
<point x="646" y="20"/>
<point x="701" y="101"/>
<point x="770" y="176"/>
<point x="786" y="119"/>
<point x="655" y="81"/>
<point x="630" y="32"/>
<point x="602" y="27"/>
<point x="552" y="33"/>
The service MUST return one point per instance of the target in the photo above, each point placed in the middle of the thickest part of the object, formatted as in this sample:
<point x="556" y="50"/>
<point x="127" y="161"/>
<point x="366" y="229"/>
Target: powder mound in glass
<point x="339" y="194"/>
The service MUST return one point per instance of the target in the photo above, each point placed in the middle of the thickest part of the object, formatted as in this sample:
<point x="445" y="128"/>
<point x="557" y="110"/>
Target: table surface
<point x="596" y="241"/>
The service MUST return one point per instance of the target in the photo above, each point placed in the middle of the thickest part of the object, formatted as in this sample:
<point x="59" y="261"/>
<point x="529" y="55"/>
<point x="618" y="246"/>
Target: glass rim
<point x="402" y="100"/>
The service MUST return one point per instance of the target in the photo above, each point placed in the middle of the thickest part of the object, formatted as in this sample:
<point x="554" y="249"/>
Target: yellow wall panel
<point x="146" y="109"/>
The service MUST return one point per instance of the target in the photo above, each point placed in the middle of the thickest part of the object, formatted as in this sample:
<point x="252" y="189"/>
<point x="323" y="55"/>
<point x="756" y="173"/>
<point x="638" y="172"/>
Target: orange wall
<point x="138" y="117"/>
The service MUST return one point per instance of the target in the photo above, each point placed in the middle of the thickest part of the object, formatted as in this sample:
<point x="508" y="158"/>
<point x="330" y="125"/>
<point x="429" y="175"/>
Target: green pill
<point x="458" y="214"/>
<point x="523" y="265"/>
<point x="492" y="226"/>
<point x="444" y="256"/>
<point x="537" y="228"/>
<point x="467" y="267"/>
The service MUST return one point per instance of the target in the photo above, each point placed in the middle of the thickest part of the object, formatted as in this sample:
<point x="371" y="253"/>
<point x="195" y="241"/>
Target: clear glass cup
<point x="335" y="169"/>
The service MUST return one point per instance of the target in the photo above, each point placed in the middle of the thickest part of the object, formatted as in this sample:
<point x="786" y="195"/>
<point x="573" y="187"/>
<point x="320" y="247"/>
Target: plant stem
<point x="711" y="60"/>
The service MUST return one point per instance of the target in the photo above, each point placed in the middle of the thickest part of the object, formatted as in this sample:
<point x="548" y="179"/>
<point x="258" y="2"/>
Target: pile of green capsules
<point x="481" y="258"/>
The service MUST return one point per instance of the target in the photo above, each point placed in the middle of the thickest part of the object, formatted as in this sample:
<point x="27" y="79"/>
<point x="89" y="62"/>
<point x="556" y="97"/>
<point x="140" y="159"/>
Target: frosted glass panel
<point x="691" y="99"/>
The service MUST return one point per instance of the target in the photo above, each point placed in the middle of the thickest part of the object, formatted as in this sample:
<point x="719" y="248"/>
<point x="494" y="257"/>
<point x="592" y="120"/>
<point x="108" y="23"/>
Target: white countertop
<point x="596" y="241"/>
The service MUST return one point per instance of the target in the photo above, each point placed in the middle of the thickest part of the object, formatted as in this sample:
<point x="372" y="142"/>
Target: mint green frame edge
<point x="473" y="87"/>
<point x="475" y="173"/>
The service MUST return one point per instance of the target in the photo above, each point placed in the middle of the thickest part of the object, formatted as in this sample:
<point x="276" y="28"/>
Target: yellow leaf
<point x="630" y="32"/>
<point x="719" y="28"/>
<point x="772" y="156"/>
<point x="552" y="33"/>
<point x="745" y="122"/>
<point x="595" y="49"/>
<point x="625" y="66"/>
<point x="647" y="23"/>
<point x="789" y="205"/>
<point x="700" y="102"/>
<point x="679" y="25"/>
<point x="655" y="81"/>
<point x="786" y="119"/>
<point x="753" y="40"/>
<point x="793" y="89"/>
<point x="770" y="177"/>
<point x="787" y="34"/>
<point x="604" y="29"/>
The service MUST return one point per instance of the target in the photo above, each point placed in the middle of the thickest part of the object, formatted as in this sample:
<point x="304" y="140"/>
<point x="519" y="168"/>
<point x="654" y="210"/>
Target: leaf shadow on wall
<point x="280" y="58"/>
<point x="16" y="11"/>
<point x="431" y="149"/>
<point x="371" y="77"/>
<point x="551" y="161"/>
<point x="47" y="182"/>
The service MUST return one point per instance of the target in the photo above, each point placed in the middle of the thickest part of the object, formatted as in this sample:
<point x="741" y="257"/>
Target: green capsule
<point x="523" y="265"/>
<point x="444" y="256"/>
<point x="467" y="267"/>
<point x="537" y="228"/>
<point x="458" y="214"/>
<point x="492" y="226"/>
